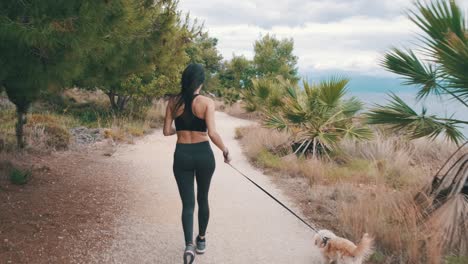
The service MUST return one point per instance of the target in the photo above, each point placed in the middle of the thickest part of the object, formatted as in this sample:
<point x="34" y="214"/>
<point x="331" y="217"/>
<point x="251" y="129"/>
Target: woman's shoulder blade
<point x="204" y="99"/>
<point x="207" y="99"/>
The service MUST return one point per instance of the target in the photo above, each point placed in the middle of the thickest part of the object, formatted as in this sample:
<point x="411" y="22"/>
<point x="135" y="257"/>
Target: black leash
<point x="274" y="198"/>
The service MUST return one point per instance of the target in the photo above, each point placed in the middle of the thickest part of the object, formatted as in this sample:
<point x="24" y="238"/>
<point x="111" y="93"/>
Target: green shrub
<point x="231" y="96"/>
<point x="269" y="160"/>
<point x="356" y="170"/>
<point x="456" y="259"/>
<point x="90" y="114"/>
<point x="20" y="177"/>
<point x="377" y="257"/>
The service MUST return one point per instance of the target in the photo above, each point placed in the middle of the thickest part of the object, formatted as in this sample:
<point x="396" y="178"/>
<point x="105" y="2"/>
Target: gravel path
<point x="246" y="226"/>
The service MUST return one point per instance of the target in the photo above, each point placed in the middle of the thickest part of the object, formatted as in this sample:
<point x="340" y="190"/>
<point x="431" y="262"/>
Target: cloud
<point x="342" y="35"/>
<point x="267" y="13"/>
<point x="353" y="44"/>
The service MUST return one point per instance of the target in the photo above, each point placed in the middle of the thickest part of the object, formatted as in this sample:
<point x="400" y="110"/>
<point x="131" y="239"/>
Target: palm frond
<point x="262" y="89"/>
<point x="358" y="133"/>
<point x="331" y="91"/>
<point x="307" y="88"/>
<point x="352" y="106"/>
<point x="275" y="100"/>
<point x="292" y="92"/>
<point x="397" y="113"/>
<point x="454" y="61"/>
<point x="275" y="121"/>
<point x="447" y="41"/>
<point x="453" y="133"/>
<point x="329" y="140"/>
<point x="296" y="117"/>
<point x="413" y="70"/>
<point x="250" y="104"/>
<point x="401" y="117"/>
<point x="436" y="19"/>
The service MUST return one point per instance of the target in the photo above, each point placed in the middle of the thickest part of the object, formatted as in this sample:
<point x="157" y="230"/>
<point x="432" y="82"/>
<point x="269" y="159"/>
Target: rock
<point x="85" y="136"/>
<point x="6" y="104"/>
<point x="109" y="150"/>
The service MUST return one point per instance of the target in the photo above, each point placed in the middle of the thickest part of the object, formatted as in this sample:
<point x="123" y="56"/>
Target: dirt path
<point x="245" y="226"/>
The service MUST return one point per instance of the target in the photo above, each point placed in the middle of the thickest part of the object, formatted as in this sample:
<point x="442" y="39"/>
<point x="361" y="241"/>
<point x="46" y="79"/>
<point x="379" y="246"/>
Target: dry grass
<point x="393" y="219"/>
<point x="7" y="129"/>
<point x="48" y="130"/>
<point x="420" y="152"/>
<point x="237" y="110"/>
<point x="126" y="129"/>
<point x="83" y="96"/>
<point x="155" y="115"/>
<point x="375" y="164"/>
<point x="256" y="139"/>
<point x="367" y="187"/>
<point x="43" y="132"/>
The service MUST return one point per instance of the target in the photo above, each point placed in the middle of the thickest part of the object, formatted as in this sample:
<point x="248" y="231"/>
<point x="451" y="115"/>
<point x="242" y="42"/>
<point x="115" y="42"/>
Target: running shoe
<point x="201" y="245"/>
<point x="189" y="254"/>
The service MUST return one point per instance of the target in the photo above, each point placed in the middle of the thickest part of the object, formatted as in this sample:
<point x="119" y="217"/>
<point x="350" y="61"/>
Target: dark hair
<point x="192" y="77"/>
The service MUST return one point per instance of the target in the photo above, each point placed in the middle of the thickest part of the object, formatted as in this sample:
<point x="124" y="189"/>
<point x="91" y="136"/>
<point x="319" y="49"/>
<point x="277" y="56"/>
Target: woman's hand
<point x="227" y="156"/>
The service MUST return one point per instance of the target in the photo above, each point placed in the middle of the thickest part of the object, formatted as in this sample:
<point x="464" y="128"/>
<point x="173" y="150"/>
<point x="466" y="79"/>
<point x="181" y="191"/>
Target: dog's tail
<point x="365" y="247"/>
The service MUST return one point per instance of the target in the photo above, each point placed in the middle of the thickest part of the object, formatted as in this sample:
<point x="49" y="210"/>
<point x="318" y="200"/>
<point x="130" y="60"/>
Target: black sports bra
<point x="188" y="121"/>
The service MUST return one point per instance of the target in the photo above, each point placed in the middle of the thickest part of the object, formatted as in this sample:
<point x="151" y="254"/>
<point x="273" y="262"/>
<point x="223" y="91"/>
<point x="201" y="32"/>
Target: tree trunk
<point x="111" y="96"/>
<point x="119" y="104"/>
<point x="21" y="120"/>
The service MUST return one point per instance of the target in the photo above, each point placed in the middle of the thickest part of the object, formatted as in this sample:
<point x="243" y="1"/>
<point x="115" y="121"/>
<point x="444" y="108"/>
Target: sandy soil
<point x="88" y="208"/>
<point x="65" y="213"/>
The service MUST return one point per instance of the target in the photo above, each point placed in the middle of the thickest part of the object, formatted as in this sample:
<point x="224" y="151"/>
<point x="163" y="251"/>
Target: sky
<point x="344" y="36"/>
<point x="331" y="37"/>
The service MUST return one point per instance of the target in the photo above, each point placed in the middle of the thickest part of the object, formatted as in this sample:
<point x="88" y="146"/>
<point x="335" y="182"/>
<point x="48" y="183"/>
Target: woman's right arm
<point x="168" y="130"/>
<point x="213" y="133"/>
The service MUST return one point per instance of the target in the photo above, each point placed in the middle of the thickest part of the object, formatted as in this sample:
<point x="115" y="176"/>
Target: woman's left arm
<point x="168" y="130"/>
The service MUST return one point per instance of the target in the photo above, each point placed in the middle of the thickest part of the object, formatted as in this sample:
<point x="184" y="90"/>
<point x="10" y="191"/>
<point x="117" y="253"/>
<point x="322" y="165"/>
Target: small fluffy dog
<point x="342" y="251"/>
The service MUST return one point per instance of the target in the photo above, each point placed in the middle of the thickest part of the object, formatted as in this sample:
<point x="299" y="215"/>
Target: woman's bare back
<point x="199" y="109"/>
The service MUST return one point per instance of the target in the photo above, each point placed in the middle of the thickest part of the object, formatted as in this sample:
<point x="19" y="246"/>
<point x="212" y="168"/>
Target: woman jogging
<point x="193" y="158"/>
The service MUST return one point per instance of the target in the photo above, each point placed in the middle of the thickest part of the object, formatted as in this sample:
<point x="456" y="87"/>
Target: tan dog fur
<point x="342" y="251"/>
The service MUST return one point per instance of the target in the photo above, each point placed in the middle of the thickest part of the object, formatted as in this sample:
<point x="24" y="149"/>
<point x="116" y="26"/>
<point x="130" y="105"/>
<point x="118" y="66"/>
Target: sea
<point x="375" y="90"/>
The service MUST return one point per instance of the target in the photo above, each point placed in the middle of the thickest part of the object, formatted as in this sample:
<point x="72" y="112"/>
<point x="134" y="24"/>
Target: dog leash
<point x="274" y="198"/>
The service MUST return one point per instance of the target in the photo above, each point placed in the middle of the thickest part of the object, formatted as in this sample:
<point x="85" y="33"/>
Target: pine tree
<point x="172" y="56"/>
<point x="185" y="42"/>
<point x="145" y="46"/>
<point x="275" y="57"/>
<point x="203" y="50"/>
<point x="237" y="73"/>
<point x="42" y="44"/>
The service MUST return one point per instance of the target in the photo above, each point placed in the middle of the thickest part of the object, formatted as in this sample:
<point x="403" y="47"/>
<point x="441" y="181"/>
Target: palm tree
<point x="444" y="72"/>
<point x="318" y="116"/>
<point x="265" y="94"/>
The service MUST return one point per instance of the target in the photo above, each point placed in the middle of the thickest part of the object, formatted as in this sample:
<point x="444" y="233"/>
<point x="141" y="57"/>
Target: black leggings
<point x="194" y="160"/>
